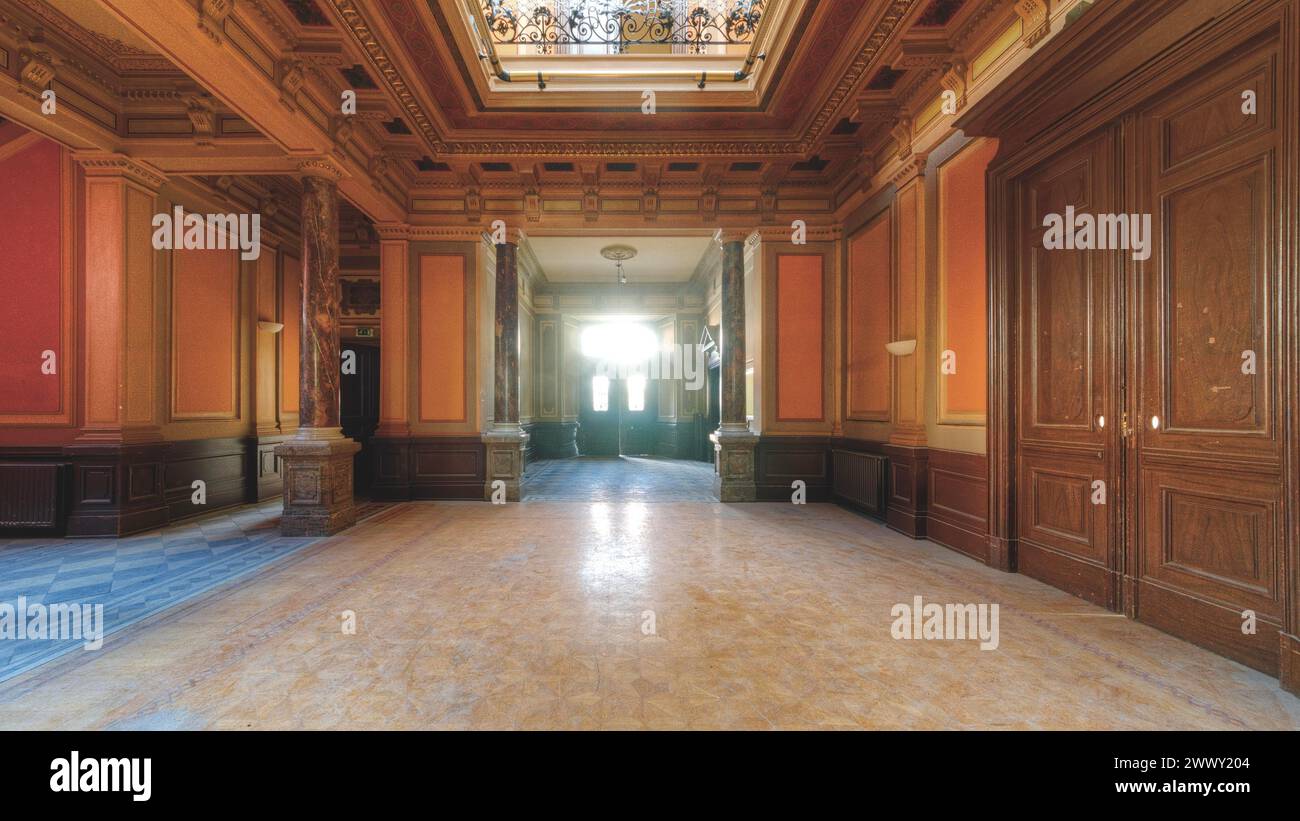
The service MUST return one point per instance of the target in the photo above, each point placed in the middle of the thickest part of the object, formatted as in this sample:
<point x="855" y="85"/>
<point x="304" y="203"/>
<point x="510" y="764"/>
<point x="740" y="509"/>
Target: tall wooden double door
<point x="1149" y="430"/>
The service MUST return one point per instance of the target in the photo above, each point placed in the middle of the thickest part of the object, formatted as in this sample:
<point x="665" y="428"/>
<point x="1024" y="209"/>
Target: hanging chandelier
<point x="619" y="253"/>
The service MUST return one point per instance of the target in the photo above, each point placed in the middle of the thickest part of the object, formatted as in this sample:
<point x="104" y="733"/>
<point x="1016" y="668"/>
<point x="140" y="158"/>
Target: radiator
<point x="859" y="479"/>
<point x="29" y="495"/>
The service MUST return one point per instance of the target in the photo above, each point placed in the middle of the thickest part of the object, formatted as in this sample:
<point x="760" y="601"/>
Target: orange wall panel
<point x="799" y="327"/>
<point x="442" y="338"/>
<point x="31" y="280"/>
<point x="205" y="335"/>
<point x="869" y="321"/>
<point x="291" y="336"/>
<point x="962" y="285"/>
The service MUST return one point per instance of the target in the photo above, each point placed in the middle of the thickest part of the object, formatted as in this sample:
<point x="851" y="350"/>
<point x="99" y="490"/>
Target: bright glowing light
<point x="636" y="393"/>
<point x="619" y="342"/>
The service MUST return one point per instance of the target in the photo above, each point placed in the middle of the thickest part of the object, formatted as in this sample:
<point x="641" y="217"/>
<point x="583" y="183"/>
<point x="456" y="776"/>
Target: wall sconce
<point x="902" y="347"/>
<point x="270" y="327"/>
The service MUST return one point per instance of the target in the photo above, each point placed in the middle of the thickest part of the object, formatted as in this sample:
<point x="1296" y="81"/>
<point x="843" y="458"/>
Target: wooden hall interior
<point x="968" y="300"/>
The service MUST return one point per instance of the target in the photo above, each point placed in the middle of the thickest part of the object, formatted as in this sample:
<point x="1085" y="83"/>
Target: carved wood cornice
<point x="912" y="167"/>
<point x="1036" y="19"/>
<point x="782" y="233"/>
<point x="974" y="25"/>
<point x="361" y="30"/>
<point x="115" y="54"/>
<point x="364" y="35"/>
<point x="393" y="231"/>
<point x="954" y="79"/>
<point x="856" y="73"/>
<point x="273" y="21"/>
<point x="446" y="233"/>
<point x="725" y="235"/>
<point x="106" y="164"/>
<point x="323" y="167"/>
<point x="212" y="17"/>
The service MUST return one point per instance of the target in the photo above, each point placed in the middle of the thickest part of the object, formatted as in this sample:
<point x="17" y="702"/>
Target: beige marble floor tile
<point x="534" y="616"/>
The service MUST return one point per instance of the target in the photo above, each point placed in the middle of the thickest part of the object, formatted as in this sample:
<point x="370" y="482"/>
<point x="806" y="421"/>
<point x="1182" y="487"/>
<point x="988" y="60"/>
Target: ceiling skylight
<point x="607" y="27"/>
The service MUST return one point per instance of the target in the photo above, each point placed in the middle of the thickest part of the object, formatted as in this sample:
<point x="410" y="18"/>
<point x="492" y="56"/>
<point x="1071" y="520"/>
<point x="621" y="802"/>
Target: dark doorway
<point x="359" y="406"/>
<point x="618" y="416"/>
<point x="712" y="413"/>
<point x="598" y="415"/>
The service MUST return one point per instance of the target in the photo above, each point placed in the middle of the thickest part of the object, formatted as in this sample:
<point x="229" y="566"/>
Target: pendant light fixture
<point x="619" y="253"/>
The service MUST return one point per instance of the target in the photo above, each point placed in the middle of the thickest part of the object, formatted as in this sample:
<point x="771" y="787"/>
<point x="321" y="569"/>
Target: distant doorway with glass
<point x="619" y="409"/>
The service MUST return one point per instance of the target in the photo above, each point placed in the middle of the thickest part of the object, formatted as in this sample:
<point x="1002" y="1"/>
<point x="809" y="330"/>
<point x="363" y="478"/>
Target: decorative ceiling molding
<point x="1036" y="19"/>
<point x="363" y="32"/>
<point x="320" y="167"/>
<point x="106" y="164"/>
<point x="119" y="56"/>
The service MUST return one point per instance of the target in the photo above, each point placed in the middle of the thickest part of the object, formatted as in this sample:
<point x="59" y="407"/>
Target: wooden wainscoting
<point x="433" y="467"/>
<point x="783" y="460"/>
<point x="223" y="465"/>
<point x="957" y="494"/>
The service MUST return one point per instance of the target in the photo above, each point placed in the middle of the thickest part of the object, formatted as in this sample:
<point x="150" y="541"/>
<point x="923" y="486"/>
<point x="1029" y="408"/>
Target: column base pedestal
<point x="734" y="448"/>
<point x="505" y="462"/>
<point x="317" y="470"/>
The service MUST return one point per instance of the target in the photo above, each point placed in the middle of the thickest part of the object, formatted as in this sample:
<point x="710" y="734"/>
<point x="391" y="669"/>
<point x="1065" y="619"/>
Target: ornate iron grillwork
<point x="618" y="24"/>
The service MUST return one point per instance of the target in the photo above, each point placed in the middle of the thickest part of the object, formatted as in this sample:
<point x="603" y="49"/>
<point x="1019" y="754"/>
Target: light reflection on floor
<point x="534" y="615"/>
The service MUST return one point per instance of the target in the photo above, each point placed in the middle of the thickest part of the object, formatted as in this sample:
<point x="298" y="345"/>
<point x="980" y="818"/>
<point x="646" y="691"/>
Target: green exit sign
<point x="365" y="332"/>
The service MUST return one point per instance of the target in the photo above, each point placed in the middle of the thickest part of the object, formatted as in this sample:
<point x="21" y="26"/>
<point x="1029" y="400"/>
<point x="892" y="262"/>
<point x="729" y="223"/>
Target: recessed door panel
<point x="1213" y="314"/>
<point x="1066" y="454"/>
<point x="1057" y="504"/>
<point x="1208" y="527"/>
<point x="1215" y="536"/>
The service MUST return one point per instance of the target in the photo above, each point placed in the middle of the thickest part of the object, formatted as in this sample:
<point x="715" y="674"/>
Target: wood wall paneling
<point x="1158" y="341"/>
<point x="1208" y="507"/>
<point x="799" y="329"/>
<point x="444" y="290"/>
<point x="962" y="283"/>
<point x="957" y="502"/>
<point x="868" y="324"/>
<point x="36" y="279"/>
<point x="205" y="335"/>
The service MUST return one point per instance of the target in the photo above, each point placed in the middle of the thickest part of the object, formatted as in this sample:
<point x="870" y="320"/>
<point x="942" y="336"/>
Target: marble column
<point x="733" y="442"/>
<point x="317" y="461"/>
<point x="506" y="370"/>
<point x="505" y="442"/>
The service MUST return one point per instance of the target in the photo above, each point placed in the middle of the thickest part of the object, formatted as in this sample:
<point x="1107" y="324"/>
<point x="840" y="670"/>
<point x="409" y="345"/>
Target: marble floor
<point x="135" y="576"/>
<point x="632" y="615"/>
<point x="619" y="479"/>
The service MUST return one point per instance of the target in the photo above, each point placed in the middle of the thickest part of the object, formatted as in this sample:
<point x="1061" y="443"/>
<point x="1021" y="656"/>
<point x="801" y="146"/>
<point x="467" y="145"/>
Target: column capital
<point x="393" y="231"/>
<point x="724" y="235"/>
<point x="912" y="168"/>
<point x="322" y="167"/>
<point x="111" y="164"/>
<point x="514" y="236"/>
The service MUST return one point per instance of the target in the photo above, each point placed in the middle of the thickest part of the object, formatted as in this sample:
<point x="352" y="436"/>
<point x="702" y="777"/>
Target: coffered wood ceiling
<point x="413" y="46"/>
<point x="252" y="88"/>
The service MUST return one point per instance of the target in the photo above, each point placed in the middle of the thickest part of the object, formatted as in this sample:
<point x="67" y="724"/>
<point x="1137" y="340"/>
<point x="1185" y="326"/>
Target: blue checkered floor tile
<point x="618" y="479"/>
<point x="136" y="576"/>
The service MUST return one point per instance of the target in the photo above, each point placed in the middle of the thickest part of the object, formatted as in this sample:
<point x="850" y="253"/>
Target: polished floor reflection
<point x="619" y="479"/>
<point x="632" y="615"/>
